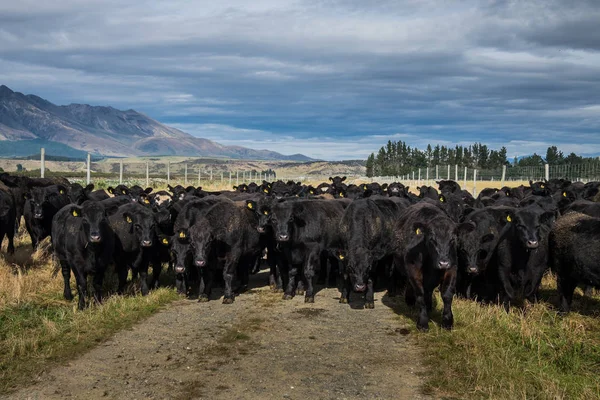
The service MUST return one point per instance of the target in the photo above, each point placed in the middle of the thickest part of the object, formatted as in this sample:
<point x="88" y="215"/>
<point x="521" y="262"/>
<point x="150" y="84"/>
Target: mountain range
<point x="105" y="131"/>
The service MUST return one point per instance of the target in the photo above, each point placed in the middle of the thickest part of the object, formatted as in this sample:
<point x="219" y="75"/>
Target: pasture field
<point x="283" y="349"/>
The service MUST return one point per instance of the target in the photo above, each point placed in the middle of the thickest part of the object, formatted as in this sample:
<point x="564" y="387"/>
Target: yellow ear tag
<point x="365" y="187"/>
<point x="182" y="234"/>
<point x="341" y="257"/>
<point x="441" y="199"/>
<point x="564" y="194"/>
<point x="312" y="192"/>
<point x="165" y="241"/>
<point x="507" y="193"/>
<point x="266" y="212"/>
<point x="129" y="220"/>
<point x="418" y="231"/>
<point x="341" y="194"/>
<point x="146" y="201"/>
<point x="266" y="190"/>
<point x="61" y="191"/>
<point x="508" y="218"/>
<point x="250" y="206"/>
<point x="75" y="213"/>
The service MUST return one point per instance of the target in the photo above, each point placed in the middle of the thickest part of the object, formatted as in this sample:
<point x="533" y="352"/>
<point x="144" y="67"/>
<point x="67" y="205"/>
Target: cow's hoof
<point x="203" y="299"/>
<point x="370" y="305"/>
<point x="278" y="290"/>
<point x="273" y="287"/>
<point x="300" y="292"/>
<point x="423" y="327"/>
<point x="227" y="300"/>
<point x="343" y="300"/>
<point x="309" y="299"/>
<point x="287" y="297"/>
<point x="68" y="296"/>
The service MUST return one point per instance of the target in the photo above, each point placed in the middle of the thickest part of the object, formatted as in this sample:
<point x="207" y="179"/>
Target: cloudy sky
<point x="331" y="79"/>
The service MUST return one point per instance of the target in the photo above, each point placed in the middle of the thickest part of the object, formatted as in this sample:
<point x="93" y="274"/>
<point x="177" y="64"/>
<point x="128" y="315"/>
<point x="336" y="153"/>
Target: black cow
<point x="522" y="253"/>
<point x="304" y="231"/>
<point x="448" y="186"/>
<point x="83" y="242"/>
<point x="366" y="230"/>
<point x="428" y="192"/>
<point x="135" y="235"/>
<point x="425" y="252"/>
<point x="587" y="207"/>
<point x="574" y="246"/>
<point x="41" y="206"/>
<point x="224" y="238"/>
<point x="7" y="217"/>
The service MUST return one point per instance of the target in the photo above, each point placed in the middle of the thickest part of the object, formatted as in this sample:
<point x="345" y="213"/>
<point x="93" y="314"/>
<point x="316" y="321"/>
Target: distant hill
<point x="25" y="119"/>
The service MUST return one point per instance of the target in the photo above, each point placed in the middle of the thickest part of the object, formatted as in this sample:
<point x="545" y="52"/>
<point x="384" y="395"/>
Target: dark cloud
<point x="331" y="78"/>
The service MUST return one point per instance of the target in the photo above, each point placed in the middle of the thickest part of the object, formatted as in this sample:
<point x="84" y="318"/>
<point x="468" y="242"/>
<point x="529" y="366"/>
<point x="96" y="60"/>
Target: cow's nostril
<point x="200" y="263"/>
<point x="360" y="288"/>
<point x="179" y="270"/>
<point x="146" y="243"/>
<point x="444" y="264"/>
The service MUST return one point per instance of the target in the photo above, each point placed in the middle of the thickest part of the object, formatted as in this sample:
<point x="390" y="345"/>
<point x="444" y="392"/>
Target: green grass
<point x="38" y="328"/>
<point x="528" y="353"/>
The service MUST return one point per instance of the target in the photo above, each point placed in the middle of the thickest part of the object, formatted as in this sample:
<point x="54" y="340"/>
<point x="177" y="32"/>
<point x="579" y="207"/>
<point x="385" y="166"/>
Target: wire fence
<point x="155" y="172"/>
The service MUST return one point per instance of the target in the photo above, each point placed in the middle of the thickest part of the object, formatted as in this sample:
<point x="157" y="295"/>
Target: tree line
<point x="398" y="158"/>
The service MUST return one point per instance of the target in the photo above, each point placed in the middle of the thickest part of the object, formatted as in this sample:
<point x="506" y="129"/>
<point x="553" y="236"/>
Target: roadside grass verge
<point x="39" y="329"/>
<point x="531" y="352"/>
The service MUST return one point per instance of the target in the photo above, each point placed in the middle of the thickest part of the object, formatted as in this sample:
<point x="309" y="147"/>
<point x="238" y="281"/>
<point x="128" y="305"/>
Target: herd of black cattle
<point x="493" y="248"/>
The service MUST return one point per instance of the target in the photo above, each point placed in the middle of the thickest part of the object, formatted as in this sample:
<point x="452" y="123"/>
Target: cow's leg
<point x="370" y="295"/>
<point x="310" y="267"/>
<point x="66" y="273"/>
<point x="448" y="288"/>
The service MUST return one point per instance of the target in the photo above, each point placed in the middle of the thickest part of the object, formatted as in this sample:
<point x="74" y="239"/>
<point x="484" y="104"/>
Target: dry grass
<point x="528" y="353"/>
<point x="39" y="328"/>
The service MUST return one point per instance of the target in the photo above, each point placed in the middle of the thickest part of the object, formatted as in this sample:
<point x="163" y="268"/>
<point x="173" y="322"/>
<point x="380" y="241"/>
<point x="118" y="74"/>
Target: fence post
<point x="168" y="172"/>
<point x="503" y="173"/>
<point x="185" y="174"/>
<point x="437" y="170"/>
<point x="427" y="177"/>
<point x="199" y="176"/>
<point x="211" y="175"/>
<point x="89" y="165"/>
<point x="42" y="162"/>
<point x="237" y="178"/>
<point x="465" y="183"/>
<point x="419" y="183"/>
<point x="230" y="179"/>
<point x="474" y="183"/>
<point x="121" y="172"/>
<point x="456" y="172"/>
<point x="147" y="174"/>
<point x="448" y="171"/>
<point x="547" y="171"/>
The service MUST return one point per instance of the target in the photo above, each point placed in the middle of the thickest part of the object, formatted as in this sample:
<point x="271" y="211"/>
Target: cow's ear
<point x="182" y="234"/>
<point x="148" y="190"/>
<point x="384" y="187"/>
<point x="127" y="218"/>
<point x="420" y="229"/>
<point x="89" y="188"/>
<point x="190" y="189"/>
<point x="251" y="205"/>
<point x="61" y="189"/>
<point x="144" y="199"/>
<point x="331" y="179"/>
<point x="111" y="190"/>
<point x="508" y="217"/>
<point x="343" y="178"/>
<point x="442" y="198"/>
<point x="235" y="187"/>
<point x="170" y="188"/>
<point x="406" y="189"/>
<point x="75" y="211"/>
<point x="164" y="240"/>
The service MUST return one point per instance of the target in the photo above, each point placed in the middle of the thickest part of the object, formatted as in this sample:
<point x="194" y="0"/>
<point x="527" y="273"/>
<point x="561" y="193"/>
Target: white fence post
<point x="474" y="183"/>
<point x="230" y="180"/>
<point x="427" y="177"/>
<point x="547" y="171"/>
<point x="147" y="174"/>
<point x="448" y="171"/>
<point x="121" y="172"/>
<point x="89" y="162"/>
<point x="168" y="172"/>
<point x="199" y="176"/>
<point x="437" y="172"/>
<point x="456" y="172"/>
<point x="185" y="174"/>
<point x="465" y="180"/>
<point x="42" y="162"/>
<point x="503" y="173"/>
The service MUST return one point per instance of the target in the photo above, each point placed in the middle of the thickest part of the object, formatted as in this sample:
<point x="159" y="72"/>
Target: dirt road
<point x="261" y="347"/>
